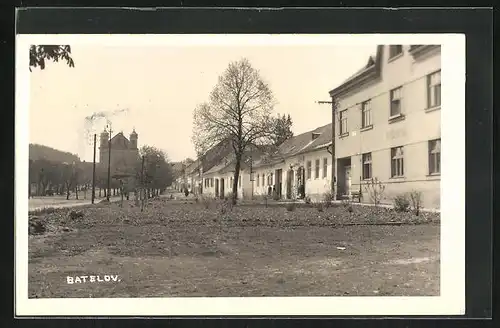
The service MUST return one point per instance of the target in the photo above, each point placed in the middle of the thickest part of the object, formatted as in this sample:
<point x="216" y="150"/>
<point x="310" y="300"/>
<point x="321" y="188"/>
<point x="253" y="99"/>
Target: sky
<point x="155" y="88"/>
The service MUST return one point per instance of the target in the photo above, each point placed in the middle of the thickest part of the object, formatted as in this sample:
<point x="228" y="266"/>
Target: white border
<point x="452" y="299"/>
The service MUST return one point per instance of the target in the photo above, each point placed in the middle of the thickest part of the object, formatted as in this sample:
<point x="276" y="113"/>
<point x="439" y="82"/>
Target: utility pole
<point x="109" y="162"/>
<point x="251" y="174"/>
<point x="93" y="170"/>
<point x="141" y="193"/>
<point x="332" y="151"/>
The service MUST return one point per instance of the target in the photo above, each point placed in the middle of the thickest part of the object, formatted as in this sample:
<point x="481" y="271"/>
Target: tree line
<point x="154" y="174"/>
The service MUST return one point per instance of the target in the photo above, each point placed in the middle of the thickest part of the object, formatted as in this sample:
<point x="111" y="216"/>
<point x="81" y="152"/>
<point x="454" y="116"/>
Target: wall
<point x="413" y="132"/>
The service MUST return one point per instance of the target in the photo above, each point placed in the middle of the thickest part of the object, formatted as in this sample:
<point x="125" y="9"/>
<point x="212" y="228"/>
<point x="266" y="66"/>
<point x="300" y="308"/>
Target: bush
<point x="307" y="200"/>
<point x="290" y="207"/>
<point x="205" y="201"/>
<point x="328" y="198"/>
<point x="276" y="196"/>
<point x="319" y="206"/>
<point x="186" y="192"/>
<point x="36" y="227"/>
<point x="401" y="203"/>
<point x="347" y="204"/>
<point x="375" y="190"/>
<point x="75" y="215"/>
<point x="416" y="201"/>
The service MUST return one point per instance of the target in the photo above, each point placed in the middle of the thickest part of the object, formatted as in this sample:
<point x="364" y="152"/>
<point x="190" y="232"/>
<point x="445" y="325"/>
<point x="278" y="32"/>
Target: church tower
<point x="103" y="146"/>
<point x="133" y="139"/>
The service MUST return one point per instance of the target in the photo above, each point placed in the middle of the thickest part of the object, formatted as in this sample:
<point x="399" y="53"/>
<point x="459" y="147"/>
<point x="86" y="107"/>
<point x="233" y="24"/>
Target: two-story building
<point x="388" y="124"/>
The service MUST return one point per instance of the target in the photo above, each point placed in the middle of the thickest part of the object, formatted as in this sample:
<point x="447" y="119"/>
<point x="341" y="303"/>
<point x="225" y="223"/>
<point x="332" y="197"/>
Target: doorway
<point x="278" y="182"/>
<point x="344" y="177"/>
<point x="289" y="184"/>
<point x="347" y="175"/>
<point x="221" y="194"/>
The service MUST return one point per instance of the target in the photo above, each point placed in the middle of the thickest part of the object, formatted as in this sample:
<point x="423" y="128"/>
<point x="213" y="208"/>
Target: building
<point x="299" y="168"/>
<point x="388" y="124"/>
<point x="124" y="156"/>
<point x="387" y="127"/>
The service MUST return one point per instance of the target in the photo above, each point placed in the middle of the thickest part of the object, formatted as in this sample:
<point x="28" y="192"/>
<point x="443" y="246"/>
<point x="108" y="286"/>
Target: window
<point x="396" y="96"/>
<point x="263" y="180"/>
<point x="367" y="165"/>
<point x="397" y="165"/>
<point x="212" y="182"/>
<point x="271" y="179"/>
<point x="343" y="122"/>
<point x="316" y="169"/>
<point x="435" y="156"/>
<point x="325" y="167"/>
<point x="395" y="50"/>
<point x="366" y="114"/>
<point x="434" y="89"/>
<point x="308" y="169"/>
<point x="258" y="179"/>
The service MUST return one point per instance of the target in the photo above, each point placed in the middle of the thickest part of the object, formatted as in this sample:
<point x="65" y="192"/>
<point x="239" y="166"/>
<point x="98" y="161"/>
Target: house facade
<point x="388" y="124"/>
<point x="301" y="167"/>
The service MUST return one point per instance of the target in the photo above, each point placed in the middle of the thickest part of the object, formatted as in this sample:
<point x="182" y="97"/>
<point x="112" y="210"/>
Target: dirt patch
<point x="186" y="250"/>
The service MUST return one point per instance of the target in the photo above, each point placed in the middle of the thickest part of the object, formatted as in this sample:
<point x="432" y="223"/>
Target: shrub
<point x="205" y="201"/>
<point x="328" y="198"/>
<point x="276" y="196"/>
<point x="319" y="206"/>
<point x="416" y="201"/>
<point x="186" y="192"/>
<point x="401" y="203"/>
<point x="307" y="199"/>
<point x="36" y="227"/>
<point x="75" y="215"/>
<point x="290" y="207"/>
<point x="375" y="190"/>
<point x="347" y="204"/>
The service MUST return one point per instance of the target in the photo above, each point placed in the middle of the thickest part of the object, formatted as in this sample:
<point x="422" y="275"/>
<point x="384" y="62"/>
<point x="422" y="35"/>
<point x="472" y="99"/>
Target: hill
<point x="37" y="152"/>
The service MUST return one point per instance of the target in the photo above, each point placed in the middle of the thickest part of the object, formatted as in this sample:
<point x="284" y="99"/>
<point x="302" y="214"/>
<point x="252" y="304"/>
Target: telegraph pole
<point x="109" y="163"/>
<point x="251" y="174"/>
<point x="93" y="170"/>
<point x="141" y="193"/>
<point x="332" y="152"/>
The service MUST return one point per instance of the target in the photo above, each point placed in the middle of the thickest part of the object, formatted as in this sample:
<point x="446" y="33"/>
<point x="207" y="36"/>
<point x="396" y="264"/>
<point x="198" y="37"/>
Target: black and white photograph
<point x="240" y="174"/>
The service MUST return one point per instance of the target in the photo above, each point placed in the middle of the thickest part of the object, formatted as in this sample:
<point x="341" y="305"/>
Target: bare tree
<point x="239" y="110"/>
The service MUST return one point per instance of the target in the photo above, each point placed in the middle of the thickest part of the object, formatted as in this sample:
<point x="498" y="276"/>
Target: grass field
<point x="177" y="249"/>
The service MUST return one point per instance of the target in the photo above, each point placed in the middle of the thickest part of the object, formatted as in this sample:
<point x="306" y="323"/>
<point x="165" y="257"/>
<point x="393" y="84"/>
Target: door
<point x="221" y="194"/>
<point x="216" y="187"/>
<point x="347" y="175"/>
<point x="289" y="184"/>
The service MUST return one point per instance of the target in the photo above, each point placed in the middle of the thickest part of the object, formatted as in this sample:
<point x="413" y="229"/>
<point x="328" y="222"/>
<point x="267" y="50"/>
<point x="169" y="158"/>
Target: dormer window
<point x="315" y="135"/>
<point x="395" y="50"/>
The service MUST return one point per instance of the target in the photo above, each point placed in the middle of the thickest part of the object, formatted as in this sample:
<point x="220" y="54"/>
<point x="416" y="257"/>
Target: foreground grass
<point x="187" y="250"/>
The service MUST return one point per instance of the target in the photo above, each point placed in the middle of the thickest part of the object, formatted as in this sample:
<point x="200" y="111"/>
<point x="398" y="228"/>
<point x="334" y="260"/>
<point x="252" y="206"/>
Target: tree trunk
<point x="67" y="192"/>
<point x="76" y="192"/>
<point x="236" y="178"/>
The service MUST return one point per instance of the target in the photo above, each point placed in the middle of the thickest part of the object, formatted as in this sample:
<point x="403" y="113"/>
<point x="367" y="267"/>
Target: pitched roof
<point x="299" y="144"/>
<point x="120" y="141"/>
<point x="370" y="70"/>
